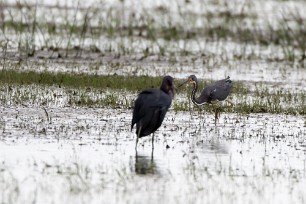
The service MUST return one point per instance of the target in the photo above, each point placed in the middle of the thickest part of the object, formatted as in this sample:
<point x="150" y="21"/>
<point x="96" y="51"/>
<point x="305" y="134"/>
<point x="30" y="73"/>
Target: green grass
<point x="244" y="107"/>
<point x="119" y="91"/>
<point x="130" y="83"/>
<point x="72" y="80"/>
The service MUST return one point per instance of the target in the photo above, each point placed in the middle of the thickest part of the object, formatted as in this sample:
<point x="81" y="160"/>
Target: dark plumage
<point x="151" y="106"/>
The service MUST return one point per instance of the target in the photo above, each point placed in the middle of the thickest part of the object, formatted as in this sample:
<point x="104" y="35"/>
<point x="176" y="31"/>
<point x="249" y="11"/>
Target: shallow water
<point x="87" y="155"/>
<point x="53" y="152"/>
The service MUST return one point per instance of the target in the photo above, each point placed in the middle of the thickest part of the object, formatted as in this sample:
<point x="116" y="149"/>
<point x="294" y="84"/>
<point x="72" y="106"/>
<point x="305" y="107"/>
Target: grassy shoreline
<point x="75" y="80"/>
<point x="114" y="91"/>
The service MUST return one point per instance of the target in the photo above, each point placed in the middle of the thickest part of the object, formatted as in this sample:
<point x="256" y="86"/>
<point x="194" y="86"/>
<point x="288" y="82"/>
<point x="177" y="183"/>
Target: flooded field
<point x="81" y="155"/>
<point x="68" y="81"/>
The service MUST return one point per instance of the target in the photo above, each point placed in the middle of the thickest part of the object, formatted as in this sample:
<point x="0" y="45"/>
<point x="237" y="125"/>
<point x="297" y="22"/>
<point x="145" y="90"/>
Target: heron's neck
<point x="193" y="93"/>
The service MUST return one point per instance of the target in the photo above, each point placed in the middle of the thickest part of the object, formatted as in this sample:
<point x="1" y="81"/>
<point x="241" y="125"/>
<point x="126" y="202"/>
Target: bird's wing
<point x="221" y="89"/>
<point x="161" y="108"/>
<point x="207" y="94"/>
<point x="217" y="91"/>
<point x="141" y="104"/>
<point x="149" y="101"/>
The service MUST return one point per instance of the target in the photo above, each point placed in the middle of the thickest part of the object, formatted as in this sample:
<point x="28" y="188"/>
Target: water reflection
<point x="212" y="146"/>
<point x="144" y="164"/>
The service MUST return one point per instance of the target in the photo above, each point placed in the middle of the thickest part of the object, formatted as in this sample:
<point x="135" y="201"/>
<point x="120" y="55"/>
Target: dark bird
<point x="211" y="94"/>
<point x="151" y="107"/>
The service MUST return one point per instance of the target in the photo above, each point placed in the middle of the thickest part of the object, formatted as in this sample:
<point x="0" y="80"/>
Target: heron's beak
<point x="188" y="80"/>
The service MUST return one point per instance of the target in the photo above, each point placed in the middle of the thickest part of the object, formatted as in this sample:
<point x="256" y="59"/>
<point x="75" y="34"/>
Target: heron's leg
<point x="216" y="116"/>
<point x="138" y="134"/>
<point x="152" y="155"/>
<point x="152" y="169"/>
<point x="217" y="113"/>
<point x="136" y="156"/>
<point x="136" y="143"/>
<point x="153" y="142"/>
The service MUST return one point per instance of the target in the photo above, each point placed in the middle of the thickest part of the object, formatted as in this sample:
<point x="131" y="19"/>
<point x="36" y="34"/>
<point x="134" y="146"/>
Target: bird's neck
<point x="193" y="94"/>
<point x="168" y="90"/>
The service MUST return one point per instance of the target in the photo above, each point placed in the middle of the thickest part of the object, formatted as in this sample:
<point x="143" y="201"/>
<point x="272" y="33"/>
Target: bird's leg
<point x="153" y="142"/>
<point x="137" y="138"/>
<point x="136" y="156"/>
<point x="152" y="151"/>
<point x="136" y="143"/>
<point x="216" y="116"/>
<point x="217" y="113"/>
<point x="152" y="162"/>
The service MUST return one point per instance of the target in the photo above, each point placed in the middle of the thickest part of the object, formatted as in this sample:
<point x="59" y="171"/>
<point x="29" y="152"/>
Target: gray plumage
<point x="212" y="93"/>
<point x="217" y="91"/>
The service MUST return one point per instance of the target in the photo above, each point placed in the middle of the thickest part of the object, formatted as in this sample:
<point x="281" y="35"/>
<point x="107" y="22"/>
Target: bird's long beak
<point x="188" y="80"/>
